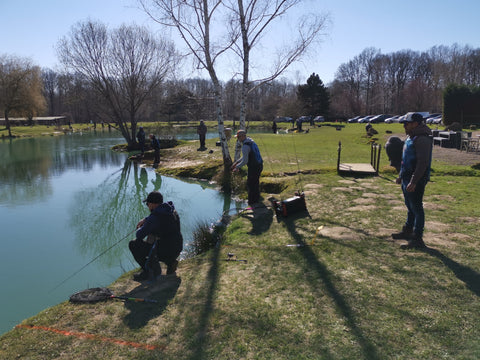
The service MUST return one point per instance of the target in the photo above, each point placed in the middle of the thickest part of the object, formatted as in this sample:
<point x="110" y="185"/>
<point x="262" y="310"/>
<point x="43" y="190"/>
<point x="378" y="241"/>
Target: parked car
<point x="393" y="119"/>
<point x="430" y="117"/>
<point x="378" y="119"/>
<point x="319" y="119"/>
<point x="304" y="118"/>
<point x="365" y="119"/>
<point x="436" y="120"/>
<point x="283" y="119"/>
<point x="354" y="119"/>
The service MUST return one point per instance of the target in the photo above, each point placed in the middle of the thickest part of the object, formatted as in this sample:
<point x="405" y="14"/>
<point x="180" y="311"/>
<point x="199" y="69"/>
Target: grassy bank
<point x="327" y="284"/>
<point x="162" y="127"/>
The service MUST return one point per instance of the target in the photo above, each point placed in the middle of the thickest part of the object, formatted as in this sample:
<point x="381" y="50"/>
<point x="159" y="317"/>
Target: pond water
<point x="66" y="199"/>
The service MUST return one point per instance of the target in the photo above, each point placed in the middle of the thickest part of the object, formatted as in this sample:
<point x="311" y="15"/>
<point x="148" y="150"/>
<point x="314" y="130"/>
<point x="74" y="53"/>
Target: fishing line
<point x="298" y="166"/>
<point x="268" y="155"/>
<point x="91" y="261"/>
<point x="286" y="151"/>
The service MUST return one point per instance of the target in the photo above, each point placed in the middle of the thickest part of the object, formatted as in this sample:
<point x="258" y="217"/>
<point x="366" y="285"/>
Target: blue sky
<point x="32" y="28"/>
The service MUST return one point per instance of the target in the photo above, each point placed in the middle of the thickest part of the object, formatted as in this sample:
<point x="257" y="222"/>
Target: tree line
<point x="402" y="81"/>
<point x="370" y="83"/>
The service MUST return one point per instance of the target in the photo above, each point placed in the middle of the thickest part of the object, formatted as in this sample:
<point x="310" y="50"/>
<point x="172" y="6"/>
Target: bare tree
<point x="250" y="20"/>
<point x="20" y="88"/>
<point x="50" y="83"/>
<point x="124" y="66"/>
<point x="195" y="20"/>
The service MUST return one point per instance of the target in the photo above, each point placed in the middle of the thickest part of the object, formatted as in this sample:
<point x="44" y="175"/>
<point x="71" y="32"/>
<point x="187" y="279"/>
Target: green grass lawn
<point x="346" y="292"/>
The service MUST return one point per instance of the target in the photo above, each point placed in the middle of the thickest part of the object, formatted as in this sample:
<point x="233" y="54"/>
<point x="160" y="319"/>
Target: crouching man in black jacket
<point x="158" y="238"/>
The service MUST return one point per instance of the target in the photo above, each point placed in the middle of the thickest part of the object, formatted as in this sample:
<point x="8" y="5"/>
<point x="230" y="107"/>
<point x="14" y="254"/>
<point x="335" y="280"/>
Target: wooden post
<point x="338" y="159"/>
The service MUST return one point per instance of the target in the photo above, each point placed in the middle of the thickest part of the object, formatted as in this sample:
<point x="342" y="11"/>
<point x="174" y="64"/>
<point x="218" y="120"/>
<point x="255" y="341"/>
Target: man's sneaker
<point x="405" y="234"/>
<point x="172" y="268"/>
<point x="140" y="276"/>
<point x="416" y="242"/>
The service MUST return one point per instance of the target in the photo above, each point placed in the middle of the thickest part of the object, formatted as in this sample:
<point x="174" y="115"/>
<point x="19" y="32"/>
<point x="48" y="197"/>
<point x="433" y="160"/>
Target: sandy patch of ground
<point x="364" y="200"/>
<point x="432" y="206"/>
<point x="312" y="189"/>
<point x="436" y="226"/>
<point x="347" y="189"/>
<point x="379" y="196"/>
<point x="362" y="208"/>
<point x="455" y="157"/>
<point x="339" y="233"/>
<point x="313" y="186"/>
<point x="180" y="164"/>
<point x="347" y="182"/>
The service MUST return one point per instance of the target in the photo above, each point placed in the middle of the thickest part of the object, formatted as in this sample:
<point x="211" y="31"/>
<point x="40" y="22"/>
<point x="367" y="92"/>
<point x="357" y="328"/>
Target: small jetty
<point x="360" y="169"/>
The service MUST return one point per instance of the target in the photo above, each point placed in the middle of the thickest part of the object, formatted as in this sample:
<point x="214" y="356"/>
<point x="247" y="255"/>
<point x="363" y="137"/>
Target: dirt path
<point x="456" y="157"/>
<point x="453" y="156"/>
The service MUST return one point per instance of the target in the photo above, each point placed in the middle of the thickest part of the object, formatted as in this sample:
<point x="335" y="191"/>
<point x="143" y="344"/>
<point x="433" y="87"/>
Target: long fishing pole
<point x="298" y="166"/>
<point x="91" y="261"/>
<point x="268" y="155"/>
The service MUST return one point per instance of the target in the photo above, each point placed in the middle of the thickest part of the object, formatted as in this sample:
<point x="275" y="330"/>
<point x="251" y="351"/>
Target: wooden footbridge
<point x="360" y="169"/>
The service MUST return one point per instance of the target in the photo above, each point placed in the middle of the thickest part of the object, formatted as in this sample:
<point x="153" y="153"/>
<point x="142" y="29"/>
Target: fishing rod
<point x="298" y="166"/>
<point x="268" y="155"/>
<point x="91" y="261"/>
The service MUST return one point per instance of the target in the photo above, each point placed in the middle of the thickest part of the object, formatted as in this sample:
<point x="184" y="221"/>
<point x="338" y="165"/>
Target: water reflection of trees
<point x="24" y="171"/>
<point x="27" y="165"/>
<point x="114" y="208"/>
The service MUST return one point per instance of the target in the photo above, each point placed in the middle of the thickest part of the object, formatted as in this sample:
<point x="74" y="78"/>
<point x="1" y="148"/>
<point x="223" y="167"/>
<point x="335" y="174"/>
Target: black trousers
<point x="157" y="156"/>
<point x="202" y="140"/>
<point x="253" y="183"/>
<point x="141" y="249"/>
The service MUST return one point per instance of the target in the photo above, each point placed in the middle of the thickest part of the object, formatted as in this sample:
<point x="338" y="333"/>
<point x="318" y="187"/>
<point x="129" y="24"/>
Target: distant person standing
<point x="414" y="175"/>
<point x="252" y="158"/>
<point x="141" y="139"/>
<point x="202" y="132"/>
<point x="299" y="125"/>
<point x="274" y="127"/>
<point x="156" y="148"/>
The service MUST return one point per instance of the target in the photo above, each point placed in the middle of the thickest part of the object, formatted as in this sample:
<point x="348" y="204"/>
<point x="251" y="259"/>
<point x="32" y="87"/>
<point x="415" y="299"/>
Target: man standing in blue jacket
<point x="414" y="175"/>
<point x="252" y="158"/>
<point x="158" y="238"/>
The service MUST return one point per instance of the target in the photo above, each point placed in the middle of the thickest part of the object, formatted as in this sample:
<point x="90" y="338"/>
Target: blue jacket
<point x="250" y="155"/>
<point x="417" y="156"/>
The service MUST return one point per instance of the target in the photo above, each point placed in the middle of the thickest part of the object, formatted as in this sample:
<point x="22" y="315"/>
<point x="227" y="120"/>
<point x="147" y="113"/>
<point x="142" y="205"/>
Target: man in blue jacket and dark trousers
<point x="414" y="175"/>
<point x="158" y="238"/>
<point x="252" y="158"/>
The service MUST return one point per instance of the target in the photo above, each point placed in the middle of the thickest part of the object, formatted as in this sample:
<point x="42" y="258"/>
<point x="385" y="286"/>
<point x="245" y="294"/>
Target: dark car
<point x="283" y="119"/>
<point x="304" y="118"/>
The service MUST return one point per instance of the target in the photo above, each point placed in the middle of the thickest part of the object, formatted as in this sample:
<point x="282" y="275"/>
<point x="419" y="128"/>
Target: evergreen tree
<point x="314" y="96"/>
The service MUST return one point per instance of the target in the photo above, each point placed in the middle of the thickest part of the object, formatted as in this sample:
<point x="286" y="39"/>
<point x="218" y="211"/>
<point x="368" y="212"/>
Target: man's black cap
<point x="154" y="197"/>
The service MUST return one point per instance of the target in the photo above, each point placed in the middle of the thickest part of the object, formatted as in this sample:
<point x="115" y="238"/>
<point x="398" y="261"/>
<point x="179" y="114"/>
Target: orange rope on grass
<point x="92" y="337"/>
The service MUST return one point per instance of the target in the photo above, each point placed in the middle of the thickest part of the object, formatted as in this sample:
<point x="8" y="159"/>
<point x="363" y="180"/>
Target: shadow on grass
<point x="199" y="344"/>
<point x="141" y="312"/>
<point x="261" y="218"/>
<point x="470" y="277"/>
<point x="344" y="309"/>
